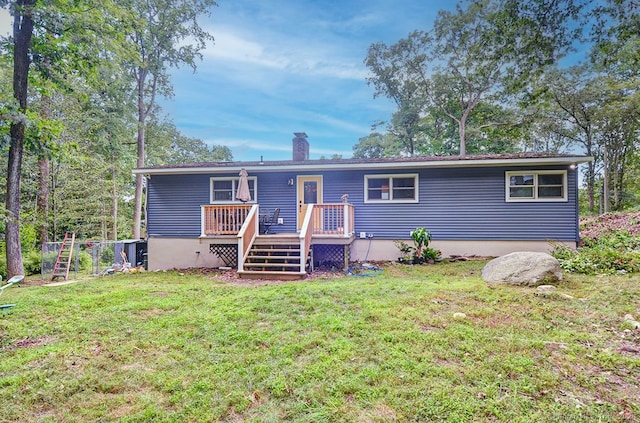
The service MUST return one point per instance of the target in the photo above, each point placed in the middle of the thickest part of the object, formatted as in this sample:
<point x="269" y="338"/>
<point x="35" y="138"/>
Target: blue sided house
<point x="281" y="218"/>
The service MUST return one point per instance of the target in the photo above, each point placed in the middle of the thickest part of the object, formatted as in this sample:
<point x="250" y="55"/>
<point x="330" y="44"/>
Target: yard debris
<point x="629" y="348"/>
<point x="551" y="292"/>
<point x="453" y="258"/>
<point x="631" y="321"/>
<point x="459" y="316"/>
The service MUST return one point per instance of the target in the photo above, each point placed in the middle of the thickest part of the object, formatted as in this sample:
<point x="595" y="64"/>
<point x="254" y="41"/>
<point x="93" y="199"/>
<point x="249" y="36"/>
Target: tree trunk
<point x="22" y="32"/>
<point x="114" y="205"/>
<point x="606" y="200"/>
<point x="137" y="212"/>
<point x="14" y="249"/>
<point x="463" y="141"/>
<point x="142" y="117"/>
<point x="42" y="199"/>
<point x="591" y="186"/>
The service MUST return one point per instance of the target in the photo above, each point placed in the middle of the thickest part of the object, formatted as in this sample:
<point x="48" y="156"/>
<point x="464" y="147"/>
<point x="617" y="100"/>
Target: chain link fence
<point x="95" y="257"/>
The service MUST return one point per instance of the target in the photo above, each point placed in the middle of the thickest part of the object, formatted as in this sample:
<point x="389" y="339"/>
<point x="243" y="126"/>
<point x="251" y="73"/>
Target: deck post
<point x="347" y="220"/>
<point x="346" y="257"/>
<point x="202" y="211"/>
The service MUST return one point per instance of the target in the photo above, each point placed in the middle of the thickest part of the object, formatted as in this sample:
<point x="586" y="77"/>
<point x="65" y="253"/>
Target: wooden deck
<point x="237" y="227"/>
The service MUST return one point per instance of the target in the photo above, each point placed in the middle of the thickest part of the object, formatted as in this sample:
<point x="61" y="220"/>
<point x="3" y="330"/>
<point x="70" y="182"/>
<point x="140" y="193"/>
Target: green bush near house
<point x="617" y="252"/>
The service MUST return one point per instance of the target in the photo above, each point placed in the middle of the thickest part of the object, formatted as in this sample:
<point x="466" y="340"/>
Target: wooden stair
<point x="63" y="262"/>
<point x="274" y="257"/>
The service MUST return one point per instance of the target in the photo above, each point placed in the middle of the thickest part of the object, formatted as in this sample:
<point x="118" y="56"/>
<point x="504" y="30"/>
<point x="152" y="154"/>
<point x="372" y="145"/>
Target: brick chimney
<point x="300" y="147"/>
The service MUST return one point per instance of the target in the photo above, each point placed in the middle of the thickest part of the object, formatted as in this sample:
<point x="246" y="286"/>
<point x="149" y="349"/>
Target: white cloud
<point x="258" y="146"/>
<point x="289" y="56"/>
<point x="333" y="122"/>
<point x="250" y="144"/>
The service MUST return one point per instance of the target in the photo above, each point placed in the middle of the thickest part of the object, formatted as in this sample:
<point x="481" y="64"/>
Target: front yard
<point x="415" y="343"/>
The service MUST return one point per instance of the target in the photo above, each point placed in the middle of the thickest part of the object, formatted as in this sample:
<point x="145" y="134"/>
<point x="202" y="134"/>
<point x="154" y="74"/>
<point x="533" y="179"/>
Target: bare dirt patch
<point x="31" y="342"/>
<point x="230" y="277"/>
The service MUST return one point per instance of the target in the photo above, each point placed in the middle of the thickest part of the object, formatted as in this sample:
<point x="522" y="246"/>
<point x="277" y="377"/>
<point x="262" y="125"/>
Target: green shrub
<point x="614" y="253"/>
<point x="32" y="261"/>
<point x="84" y="260"/>
<point x="431" y="254"/>
<point x="107" y="255"/>
<point x="3" y="261"/>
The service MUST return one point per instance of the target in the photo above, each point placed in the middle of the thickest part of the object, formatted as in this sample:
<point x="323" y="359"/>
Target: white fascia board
<point x="541" y="161"/>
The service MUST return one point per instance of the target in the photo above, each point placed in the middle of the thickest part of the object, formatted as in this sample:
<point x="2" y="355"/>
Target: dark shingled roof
<point x="334" y="162"/>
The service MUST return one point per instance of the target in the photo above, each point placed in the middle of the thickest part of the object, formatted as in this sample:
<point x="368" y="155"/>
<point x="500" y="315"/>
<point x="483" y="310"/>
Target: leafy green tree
<point x="485" y="53"/>
<point x="166" y="33"/>
<point x="23" y="12"/>
<point x="41" y="34"/>
<point x="168" y="146"/>
<point x="575" y="99"/>
<point x="375" y="146"/>
<point x="616" y="55"/>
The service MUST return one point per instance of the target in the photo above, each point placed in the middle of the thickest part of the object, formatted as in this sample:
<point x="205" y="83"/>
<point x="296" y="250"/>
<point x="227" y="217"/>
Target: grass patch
<point x="194" y="347"/>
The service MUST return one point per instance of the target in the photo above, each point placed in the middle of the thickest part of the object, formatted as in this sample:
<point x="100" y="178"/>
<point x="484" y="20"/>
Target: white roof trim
<point x="540" y="161"/>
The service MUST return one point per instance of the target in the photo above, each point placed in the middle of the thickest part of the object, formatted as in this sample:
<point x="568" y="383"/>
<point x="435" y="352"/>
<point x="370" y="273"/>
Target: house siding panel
<point x="174" y="205"/>
<point x="455" y="204"/>
<point x="274" y="192"/>
<point x="469" y="204"/>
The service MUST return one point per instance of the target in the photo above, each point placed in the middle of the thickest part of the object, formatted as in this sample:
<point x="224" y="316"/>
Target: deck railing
<point x="223" y="219"/>
<point x="333" y="219"/>
<point x="247" y="235"/>
<point x="306" y="232"/>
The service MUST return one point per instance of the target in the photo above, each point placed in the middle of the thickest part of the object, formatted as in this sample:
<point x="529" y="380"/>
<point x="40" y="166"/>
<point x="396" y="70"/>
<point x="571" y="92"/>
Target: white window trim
<point x="391" y="176"/>
<point x="234" y="189"/>
<point x="535" y="198"/>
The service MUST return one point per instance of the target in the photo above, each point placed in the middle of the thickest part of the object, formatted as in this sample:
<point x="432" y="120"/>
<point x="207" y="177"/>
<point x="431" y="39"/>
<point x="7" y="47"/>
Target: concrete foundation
<point x="180" y="253"/>
<point x="183" y="253"/>
<point x="381" y="250"/>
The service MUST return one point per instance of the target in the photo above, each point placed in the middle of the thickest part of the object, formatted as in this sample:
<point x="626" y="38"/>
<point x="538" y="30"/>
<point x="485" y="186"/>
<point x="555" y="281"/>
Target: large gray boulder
<point x="523" y="269"/>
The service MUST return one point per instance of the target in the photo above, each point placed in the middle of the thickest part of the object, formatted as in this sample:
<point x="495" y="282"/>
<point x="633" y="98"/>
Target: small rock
<point x="545" y="289"/>
<point x="633" y="323"/>
<point x="459" y="316"/>
<point x="628" y="317"/>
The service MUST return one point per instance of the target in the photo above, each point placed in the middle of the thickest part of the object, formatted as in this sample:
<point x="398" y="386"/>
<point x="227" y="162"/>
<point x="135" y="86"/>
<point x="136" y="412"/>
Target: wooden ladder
<point x="63" y="262"/>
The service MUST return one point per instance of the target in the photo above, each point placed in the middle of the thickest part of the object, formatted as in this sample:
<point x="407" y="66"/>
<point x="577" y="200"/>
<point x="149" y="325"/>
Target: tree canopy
<point x="493" y="76"/>
<point x="68" y="126"/>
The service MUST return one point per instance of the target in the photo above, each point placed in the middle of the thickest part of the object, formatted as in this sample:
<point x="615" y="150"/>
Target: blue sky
<point x="290" y="66"/>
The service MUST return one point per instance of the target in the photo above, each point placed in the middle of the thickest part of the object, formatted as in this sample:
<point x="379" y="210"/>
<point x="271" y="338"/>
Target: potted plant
<point x="406" y="250"/>
<point x="430" y="255"/>
<point x="421" y="238"/>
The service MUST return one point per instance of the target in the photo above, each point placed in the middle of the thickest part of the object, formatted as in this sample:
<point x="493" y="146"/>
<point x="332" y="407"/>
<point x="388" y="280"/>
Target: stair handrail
<point x="247" y="235"/>
<point x="306" y="233"/>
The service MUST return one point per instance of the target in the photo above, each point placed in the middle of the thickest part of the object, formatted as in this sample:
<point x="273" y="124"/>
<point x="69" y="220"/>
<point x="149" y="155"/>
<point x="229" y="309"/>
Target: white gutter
<point x="298" y="167"/>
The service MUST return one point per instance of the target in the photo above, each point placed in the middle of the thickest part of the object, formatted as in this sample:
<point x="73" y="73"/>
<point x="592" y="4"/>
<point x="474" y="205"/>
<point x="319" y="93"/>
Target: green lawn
<point x="200" y="347"/>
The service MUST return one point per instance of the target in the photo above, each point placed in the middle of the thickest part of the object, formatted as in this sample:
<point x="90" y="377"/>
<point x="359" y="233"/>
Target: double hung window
<point x="401" y="188"/>
<point x="547" y="185"/>
<point x="223" y="190"/>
